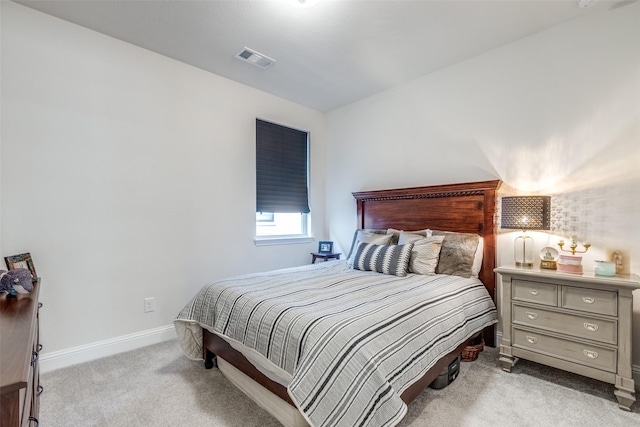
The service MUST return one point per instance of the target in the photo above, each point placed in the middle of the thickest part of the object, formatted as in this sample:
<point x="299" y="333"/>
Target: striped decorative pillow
<point x="387" y="259"/>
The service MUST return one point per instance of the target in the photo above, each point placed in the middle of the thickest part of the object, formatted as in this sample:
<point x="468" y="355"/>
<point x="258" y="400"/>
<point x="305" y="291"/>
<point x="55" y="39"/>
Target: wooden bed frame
<point x="467" y="208"/>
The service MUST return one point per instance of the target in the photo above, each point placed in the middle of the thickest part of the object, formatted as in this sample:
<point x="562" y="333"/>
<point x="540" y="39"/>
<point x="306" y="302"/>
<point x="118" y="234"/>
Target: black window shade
<point x="281" y="169"/>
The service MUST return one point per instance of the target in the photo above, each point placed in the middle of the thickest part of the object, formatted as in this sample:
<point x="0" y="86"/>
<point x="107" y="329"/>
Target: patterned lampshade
<point x="526" y="213"/>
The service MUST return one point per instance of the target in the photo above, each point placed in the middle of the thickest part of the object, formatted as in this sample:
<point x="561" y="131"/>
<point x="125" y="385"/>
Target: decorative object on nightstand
<point x="573" y="246"/>
<point x="325" y="247"/>
<point x="616" y="257"/>
<point x="324" y="256"/>
<point x="549" y="258"/>
<point x="578" y="323"/>
<point x="525" y="213"/>
<point x="572" y="263"/>
<point x="605" y="268"/>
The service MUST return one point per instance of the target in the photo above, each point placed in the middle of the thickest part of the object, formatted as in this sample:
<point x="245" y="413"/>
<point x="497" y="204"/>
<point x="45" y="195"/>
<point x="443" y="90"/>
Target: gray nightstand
<point x="577" y="322"/>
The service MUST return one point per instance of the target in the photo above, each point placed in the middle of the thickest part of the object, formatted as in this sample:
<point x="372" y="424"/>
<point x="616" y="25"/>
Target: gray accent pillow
<point x="395" y="233"/>
<point x="368" y="235"/>
<point x="457" y="253"/>
<point x="386" y="259"/>
<point x="425" y="253"/>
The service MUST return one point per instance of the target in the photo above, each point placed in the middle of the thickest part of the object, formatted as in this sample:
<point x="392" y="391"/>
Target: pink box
<point x="570" y="260"/>
<point x="569" y="268"/>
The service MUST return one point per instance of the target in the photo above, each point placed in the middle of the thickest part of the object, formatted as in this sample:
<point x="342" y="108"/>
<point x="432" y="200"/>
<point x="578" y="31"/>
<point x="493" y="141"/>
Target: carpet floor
<point x="159" y="386"/>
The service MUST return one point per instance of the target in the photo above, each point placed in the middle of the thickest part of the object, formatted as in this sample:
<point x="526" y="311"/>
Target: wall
<point x="130" y="175"/>
<point x="115" y="160"/>
<point x="556" y="113"/>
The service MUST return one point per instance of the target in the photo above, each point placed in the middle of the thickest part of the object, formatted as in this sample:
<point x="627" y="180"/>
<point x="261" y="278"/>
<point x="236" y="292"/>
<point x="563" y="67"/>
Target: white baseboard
<point x="85" y="353"/>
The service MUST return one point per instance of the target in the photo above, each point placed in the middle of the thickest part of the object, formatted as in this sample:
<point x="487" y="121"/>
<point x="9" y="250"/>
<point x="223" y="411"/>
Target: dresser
<point x="576" y="322"/>
<point x="19" y="352"/>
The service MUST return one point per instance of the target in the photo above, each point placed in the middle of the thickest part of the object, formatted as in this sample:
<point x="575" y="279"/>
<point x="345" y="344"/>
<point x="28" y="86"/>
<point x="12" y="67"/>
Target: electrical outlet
<point x="149" y="304"/>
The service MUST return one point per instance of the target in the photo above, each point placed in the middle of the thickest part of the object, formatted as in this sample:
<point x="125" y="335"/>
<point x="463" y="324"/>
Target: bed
<point x="349" y="342"/>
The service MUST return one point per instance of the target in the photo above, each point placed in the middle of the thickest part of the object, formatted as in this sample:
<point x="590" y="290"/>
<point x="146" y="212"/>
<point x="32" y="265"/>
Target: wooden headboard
<point x="465" y="208"/>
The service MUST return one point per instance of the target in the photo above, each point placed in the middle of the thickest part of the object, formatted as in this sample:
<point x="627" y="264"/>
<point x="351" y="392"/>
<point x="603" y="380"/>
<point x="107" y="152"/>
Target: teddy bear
<point x="16" y="277"/>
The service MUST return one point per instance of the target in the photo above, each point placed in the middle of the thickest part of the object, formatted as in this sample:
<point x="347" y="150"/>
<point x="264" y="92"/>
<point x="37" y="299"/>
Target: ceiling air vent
<point x="255" y="58"/>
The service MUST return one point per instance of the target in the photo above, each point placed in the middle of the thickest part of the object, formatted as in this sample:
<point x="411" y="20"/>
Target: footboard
<point x="214" y="346"/>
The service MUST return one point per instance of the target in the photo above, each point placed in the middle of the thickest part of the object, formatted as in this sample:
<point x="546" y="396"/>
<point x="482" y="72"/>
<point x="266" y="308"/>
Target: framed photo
<point x="21" y="261"/>
<point x="325" y="247"/>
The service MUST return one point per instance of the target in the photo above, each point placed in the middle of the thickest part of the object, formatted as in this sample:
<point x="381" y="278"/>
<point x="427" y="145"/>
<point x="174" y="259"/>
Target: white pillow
<point x="424" y="254"/>
<point x="421" y="233"/>
<point x="477" y="258"/>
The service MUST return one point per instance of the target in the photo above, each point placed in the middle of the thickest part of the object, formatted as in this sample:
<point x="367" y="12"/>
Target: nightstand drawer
<point x="590" y="300"/>
<point x="583" y="354"/>
<point x="602" y="330"/>
<point x="540" y="293"/>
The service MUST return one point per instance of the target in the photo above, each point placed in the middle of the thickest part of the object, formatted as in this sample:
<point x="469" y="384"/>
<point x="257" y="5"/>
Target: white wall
<point x="557" y="112"/>
<point x="130" y="175"/>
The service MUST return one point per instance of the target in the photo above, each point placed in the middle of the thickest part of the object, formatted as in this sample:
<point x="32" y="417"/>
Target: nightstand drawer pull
<point x="533" y="316"/>
<point x="593" y="327"/>
<point x="532" y="340"/>
<point x="588" y="300"/>
<point x="533" y="291"/>
<point x="590" y="354"/>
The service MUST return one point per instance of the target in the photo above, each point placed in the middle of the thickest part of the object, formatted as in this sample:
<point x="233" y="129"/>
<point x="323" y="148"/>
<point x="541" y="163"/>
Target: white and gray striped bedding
<point x="352" y="340"/>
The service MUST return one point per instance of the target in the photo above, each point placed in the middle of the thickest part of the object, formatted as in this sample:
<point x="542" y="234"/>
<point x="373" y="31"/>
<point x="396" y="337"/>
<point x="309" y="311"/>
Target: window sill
<point x="269" y="241"/>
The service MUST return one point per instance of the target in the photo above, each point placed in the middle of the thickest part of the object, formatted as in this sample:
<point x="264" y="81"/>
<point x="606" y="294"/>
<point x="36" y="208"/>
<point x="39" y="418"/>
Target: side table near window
<point x="326" y="257"/>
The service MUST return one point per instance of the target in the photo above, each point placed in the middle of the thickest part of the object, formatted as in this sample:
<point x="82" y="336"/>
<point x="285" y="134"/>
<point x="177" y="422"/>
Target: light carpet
<point x="159" y="386"/>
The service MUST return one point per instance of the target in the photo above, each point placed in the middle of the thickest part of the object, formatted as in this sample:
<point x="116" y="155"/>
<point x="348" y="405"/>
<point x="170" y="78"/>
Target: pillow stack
<point x="426" y="252"/>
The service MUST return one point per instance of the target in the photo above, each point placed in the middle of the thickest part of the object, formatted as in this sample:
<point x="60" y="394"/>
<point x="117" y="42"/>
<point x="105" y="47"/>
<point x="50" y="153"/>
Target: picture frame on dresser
<point x="580" y="323"/>
<point x="21" y="261"/>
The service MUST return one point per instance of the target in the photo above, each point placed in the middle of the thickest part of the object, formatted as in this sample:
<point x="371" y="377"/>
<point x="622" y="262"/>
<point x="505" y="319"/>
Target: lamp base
<point x="524" y="264"/>
<point x="523" y="251"/>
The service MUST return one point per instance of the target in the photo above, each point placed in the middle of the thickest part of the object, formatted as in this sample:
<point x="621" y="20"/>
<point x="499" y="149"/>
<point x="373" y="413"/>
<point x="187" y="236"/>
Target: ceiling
<point x="328" y="55"/>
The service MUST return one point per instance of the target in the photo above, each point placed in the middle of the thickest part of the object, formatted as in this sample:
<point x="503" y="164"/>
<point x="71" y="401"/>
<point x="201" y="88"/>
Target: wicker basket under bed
<point x="471" y="352"/>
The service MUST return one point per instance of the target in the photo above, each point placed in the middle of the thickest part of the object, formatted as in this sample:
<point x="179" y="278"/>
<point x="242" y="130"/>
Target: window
<point x="282" y="181"/>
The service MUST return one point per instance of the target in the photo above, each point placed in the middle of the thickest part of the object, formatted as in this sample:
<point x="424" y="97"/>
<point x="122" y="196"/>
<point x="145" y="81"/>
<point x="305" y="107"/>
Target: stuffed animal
<point x="16" y="277"/>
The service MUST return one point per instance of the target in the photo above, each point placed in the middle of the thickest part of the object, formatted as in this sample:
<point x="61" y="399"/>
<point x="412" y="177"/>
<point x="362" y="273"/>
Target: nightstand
<point x="326" y="257"/>
<point x="580" y="323"/>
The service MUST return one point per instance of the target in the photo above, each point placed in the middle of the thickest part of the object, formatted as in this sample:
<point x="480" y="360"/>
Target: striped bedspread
<point x="352" y="340"/>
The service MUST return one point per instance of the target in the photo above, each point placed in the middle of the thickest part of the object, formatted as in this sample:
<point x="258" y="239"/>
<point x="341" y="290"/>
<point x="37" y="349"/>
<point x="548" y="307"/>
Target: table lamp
<point x="525" y="213"/>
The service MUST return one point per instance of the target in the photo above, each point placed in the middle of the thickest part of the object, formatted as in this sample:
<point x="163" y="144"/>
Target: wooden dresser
<point x="19" y="350"/>
<point x="577" y="322"/>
